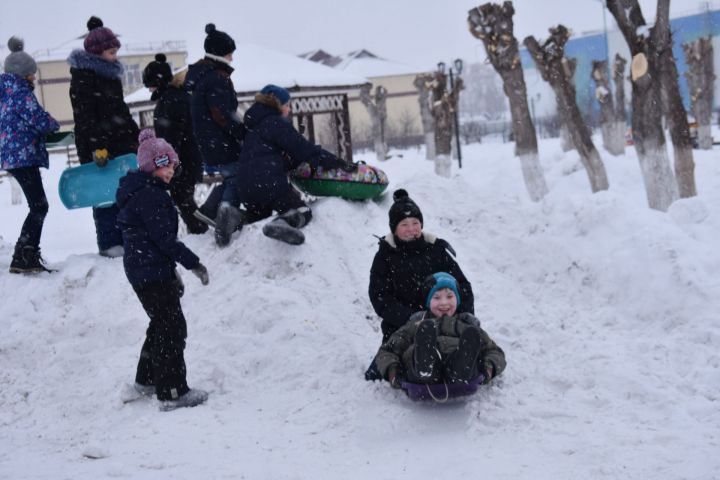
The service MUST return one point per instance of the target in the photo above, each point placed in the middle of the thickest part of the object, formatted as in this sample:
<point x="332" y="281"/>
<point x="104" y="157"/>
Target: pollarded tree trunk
<point x="377" y="109"/>
<point x="493" y="24"/>
<point x="612" y="142"/>
<point x="566" y="142"/>
<point x="701" y="78"/>
<point x="676" y="113"/>
<point x="423" y="83"/>
<point x="551" y="63"/>
<point x="620" y="116"/>
<point x="648" y="136"/>
<point x="443" y="108"/>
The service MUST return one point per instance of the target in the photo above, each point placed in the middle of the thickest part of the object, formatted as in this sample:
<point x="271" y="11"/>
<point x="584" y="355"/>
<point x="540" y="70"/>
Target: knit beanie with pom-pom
<point x="154" y="152"/>
<point x="19" y="62"/>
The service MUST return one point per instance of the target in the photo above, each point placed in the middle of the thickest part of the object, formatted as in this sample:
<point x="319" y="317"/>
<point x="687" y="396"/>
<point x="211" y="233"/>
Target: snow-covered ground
<point x="607" y="311"/>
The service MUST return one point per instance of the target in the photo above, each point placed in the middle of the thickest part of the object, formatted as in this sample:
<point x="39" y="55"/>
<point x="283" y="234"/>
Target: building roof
<point x="362" y="62"/>
<point x="128" y="48"/>
<point x="256" y="66"/>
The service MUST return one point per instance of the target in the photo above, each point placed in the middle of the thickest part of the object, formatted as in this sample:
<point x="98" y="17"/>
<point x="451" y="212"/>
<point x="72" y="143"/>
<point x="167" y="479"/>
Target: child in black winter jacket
<point x="149" y="228"/>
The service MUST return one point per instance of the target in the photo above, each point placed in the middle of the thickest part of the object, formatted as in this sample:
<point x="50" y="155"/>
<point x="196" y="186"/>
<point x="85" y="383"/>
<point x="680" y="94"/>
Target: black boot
<point x="27" y="260"/>
<point x="463" y="366"/>
<point x="286" y="227"/>
<point x="425" y="354"/>
<point x="228" y="220"/>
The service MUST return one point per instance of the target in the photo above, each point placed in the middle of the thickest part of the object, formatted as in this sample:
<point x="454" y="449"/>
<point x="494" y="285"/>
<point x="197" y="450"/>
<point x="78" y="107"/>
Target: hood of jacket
<point x="200" y="69"/>
<point x="259" y="112"/>
<point x="82" y="60"/>
<point x="133" y="182"/>
<point x="11" y="84"/>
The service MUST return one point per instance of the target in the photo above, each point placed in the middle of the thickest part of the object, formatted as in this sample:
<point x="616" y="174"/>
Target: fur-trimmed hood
<point x="268" y="100"/>
<point x="83" y="60"/>
<point x="428" y="237"/>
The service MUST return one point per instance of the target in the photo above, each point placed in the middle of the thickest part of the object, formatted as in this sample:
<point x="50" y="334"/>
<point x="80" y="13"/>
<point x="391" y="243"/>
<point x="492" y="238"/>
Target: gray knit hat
<point x="19" y="62"/>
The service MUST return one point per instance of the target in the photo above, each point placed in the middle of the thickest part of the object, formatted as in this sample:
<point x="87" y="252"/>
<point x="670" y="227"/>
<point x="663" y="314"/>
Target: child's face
<point x="165" y="173"/>
<point x="409" y="229"/>
<point x="443" y="302"/>
<point x="110" y="55"/>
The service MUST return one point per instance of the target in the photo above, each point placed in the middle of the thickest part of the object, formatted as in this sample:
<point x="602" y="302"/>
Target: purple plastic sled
<point x="441" y="392"/>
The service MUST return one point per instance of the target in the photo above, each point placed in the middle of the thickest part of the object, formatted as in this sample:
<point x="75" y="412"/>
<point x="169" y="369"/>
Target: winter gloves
<point x="101" y="157"/>
<point x="202" y="273"/>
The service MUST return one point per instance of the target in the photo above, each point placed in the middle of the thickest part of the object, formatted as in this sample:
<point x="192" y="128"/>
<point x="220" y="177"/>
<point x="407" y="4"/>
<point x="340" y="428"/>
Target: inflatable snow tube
<point x="441" y="392"/>
<point x="366" y="183"/>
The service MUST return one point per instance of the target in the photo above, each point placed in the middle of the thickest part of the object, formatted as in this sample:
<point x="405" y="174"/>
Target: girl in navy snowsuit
<point x="23" y="127"/>
<point x="149" y="226"/>
<point x="104" y="127"/>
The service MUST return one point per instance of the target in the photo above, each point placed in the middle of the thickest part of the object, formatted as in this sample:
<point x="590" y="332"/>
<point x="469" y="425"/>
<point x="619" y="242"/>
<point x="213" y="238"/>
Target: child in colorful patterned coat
<point x="23" y="128"/>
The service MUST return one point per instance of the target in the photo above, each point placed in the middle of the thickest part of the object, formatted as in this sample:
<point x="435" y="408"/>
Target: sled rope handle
<point x="439" y="400"/>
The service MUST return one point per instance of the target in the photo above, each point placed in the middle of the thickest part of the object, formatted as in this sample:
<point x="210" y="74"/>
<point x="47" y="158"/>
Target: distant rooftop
<point x="361" y="62"/>
<point x="128" y="48"/>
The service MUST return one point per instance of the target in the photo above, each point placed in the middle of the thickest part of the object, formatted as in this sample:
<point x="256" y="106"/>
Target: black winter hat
<point x="403" y="208"/>
<point x="157" y="73"/>
<point x="217" y="42"/>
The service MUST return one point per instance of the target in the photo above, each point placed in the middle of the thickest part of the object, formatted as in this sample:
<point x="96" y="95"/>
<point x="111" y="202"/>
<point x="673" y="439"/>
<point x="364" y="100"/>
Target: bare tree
<point x="620" y="114"/>
<point x="674" y="109"/>
<point x="648" y="136"/>
<point x="423" y="84"/>
<point x="613" y="137"/>
<point x="566" y="142"/>
<point x="493" y="24"/>
<point x="444" y="103"/>
<point x="553" y="66"/>
<point x="701" y="78"/>
<point x="377" y="109"/>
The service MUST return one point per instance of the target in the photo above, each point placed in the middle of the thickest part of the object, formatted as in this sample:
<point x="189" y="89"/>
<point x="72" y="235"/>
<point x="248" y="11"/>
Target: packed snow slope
<point x="607" y="312"/>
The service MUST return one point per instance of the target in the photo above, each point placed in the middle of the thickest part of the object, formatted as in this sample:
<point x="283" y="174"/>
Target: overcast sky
<point x="416" y="32"/>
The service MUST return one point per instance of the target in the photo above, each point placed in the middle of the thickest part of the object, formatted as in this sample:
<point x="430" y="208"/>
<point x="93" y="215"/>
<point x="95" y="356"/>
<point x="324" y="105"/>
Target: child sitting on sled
<point x="438" y="345"/>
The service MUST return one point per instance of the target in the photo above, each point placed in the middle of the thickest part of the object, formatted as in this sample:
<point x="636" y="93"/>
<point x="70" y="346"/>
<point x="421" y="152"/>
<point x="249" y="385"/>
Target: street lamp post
<point x="458" y="64"/>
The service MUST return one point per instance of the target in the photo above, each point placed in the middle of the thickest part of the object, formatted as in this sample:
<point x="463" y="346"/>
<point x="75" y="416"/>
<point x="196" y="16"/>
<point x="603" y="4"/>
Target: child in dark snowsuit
<point x="440" y="345"/>
<point x="149" y="228"/>
<point x="272" y="148"/>
<point x="104" y="127"/>
<point x="23" y="127"/>
<point x="172" y="122"/>
<point x="405" y="258"/>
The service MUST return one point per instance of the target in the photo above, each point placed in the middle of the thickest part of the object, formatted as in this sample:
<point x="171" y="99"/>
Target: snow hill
<point x="607" y="311"/>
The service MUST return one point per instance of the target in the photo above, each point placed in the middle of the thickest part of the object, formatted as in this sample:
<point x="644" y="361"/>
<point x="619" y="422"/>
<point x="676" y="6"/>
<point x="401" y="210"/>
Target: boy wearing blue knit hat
<point x="440" y="345"/>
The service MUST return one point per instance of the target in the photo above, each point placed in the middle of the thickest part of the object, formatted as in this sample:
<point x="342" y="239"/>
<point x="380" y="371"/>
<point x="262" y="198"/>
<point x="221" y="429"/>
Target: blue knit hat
<point x="279" y="92"/>
<point x="438" y="281"/>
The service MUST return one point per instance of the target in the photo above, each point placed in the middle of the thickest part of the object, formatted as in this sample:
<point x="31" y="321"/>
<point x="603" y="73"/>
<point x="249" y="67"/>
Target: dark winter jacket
<point x="217" y="128"/>
<point x="398" y="350"/>
<point x="102" y="119"/>
<point x="399" y="270"/>
<point x="149" y="225"/>
<point x="172" y="122"/>
<point x="23" y="125"/>
<point x="272" y="148"/>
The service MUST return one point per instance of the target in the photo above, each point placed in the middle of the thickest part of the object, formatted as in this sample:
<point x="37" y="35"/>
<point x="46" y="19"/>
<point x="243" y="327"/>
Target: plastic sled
<point x="366" y="183"/>
<point x="441" y="392"/>
<point x="91" y="186"/>
<point x="59" y="139"/>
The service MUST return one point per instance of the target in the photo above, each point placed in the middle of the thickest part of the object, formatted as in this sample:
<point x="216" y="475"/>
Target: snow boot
<point x="192" y="398"/>
<point x="27" y="260"/>
<point x="113" y="252"/>
<point x="203" y="217"/>
<point x="463" y="366"/>
<point x="228" y="220"/>
<point x="145" y="390"/>
<point x="425" y="355"/>
<point x="372" y="373"/>
<point x="280" y="229"/>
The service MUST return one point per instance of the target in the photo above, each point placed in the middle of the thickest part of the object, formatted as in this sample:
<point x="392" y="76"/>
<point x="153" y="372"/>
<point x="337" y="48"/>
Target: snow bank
<point x="607" y="311"/>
